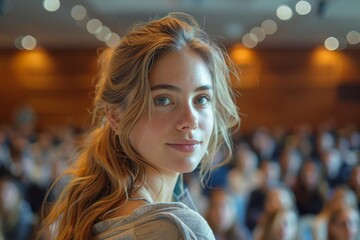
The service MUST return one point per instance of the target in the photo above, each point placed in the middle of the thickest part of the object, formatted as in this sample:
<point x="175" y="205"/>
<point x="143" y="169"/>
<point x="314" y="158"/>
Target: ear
<point x="112" y="114"/>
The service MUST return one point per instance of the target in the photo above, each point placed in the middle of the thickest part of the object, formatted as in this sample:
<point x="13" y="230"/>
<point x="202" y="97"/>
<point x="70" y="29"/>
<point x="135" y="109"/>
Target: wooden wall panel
<point x="278" y="87"/>
<point x="299" y="86"/>
<point x="56" y="84"/>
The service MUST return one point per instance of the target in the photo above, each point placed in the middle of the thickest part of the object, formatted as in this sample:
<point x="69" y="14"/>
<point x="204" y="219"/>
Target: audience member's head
<point x="222" y="216"/>
<point x="277" y="198"/>
<point x="246" y="160"/>
<point x="354" y="180"/>
<point x="343" y="223"/>
<point x="270" y="173"/>
<point x="282" y="225"/>
<point x="341" y="195"/>
<point x="310" y="176"/>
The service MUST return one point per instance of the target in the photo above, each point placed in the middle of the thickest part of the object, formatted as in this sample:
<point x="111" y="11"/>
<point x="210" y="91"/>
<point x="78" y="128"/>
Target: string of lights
<point x="250" y="39"/>
<point x="285" y="13"/>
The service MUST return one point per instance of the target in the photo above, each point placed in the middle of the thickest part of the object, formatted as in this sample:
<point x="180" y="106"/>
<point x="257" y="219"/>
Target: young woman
<point x="163" y="105"/>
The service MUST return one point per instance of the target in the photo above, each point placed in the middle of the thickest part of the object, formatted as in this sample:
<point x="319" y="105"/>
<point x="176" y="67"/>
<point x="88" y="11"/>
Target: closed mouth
<point x="185" y="147"/>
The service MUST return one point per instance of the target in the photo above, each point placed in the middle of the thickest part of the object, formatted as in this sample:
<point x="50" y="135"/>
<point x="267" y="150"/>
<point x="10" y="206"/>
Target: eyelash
<point x="156" y="99"/>
<point x="164" y="96"/>
<point x="207" y="97"/>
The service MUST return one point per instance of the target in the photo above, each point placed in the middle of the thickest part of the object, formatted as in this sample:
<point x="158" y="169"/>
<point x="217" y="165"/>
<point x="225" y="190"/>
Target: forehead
<point x="184" y="66"/>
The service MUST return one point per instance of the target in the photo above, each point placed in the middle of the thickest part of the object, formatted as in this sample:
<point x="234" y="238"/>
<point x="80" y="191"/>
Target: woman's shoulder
<point x="168" y="220"/>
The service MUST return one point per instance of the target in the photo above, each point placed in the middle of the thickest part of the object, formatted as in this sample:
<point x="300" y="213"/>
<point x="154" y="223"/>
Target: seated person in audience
<point x="290" y="161"/>
<point x="5" y="158"/>
<point x="277" y="198"/>
<point x="222" y="217"/>
<point x="243" y="178"/>
<point x="281" y="224"/>
<point x="16" y="217"/>
<point x="334" y="167"/>
<point x="255" y="206"/>
<point x="309" y="189"/>
<point x="341" y="196"/>
<point x="324" y="140"/>
<point x="354" y="183"/>
<point x="344" y="224"/>
<point x="263" y="143"/>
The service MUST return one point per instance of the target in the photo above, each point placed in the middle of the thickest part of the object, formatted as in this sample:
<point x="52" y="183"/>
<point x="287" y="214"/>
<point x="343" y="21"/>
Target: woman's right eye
<point x="162" y="101"/>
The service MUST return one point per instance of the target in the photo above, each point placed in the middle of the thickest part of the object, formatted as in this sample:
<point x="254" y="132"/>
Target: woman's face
<point x="176" y="136"/>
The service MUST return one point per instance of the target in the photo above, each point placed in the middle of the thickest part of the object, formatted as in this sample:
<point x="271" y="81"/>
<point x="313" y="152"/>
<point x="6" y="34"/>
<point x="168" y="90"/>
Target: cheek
<point x="147" y="130"/>
<point x="207" y="122"/>
<point x="139" y="132"/>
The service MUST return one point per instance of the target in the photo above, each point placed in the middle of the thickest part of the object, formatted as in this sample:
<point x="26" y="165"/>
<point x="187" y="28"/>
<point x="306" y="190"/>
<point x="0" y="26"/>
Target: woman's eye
<point x="202" y="100"/>
<point x="162" y="101"/>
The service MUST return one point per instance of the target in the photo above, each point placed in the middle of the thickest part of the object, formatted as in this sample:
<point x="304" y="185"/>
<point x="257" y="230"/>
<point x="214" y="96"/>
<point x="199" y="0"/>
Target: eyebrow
<point x="176" y="89"/>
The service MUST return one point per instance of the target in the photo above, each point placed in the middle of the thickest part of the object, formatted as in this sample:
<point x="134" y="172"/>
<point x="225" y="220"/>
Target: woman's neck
<point x="158" y="187"/>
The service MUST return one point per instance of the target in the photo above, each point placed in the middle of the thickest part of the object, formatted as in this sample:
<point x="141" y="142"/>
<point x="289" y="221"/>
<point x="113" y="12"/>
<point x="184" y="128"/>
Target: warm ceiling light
<point x="103" y="34"/>
<point x="303" y="7"/>
<point x="51" y="5"/>
<point x="113" y="40"/>
<point x="342" y="43"/>
<point x="28" y="42"/>
<point x="331" y="43"/>
<point x="259" y="33"/>
<point x="78" y="12"/>
<point x="17" y="43"/>
<point x="353" y="37"/>
<point x="269" y="26"/>
<point x="93" y="26"/>
<point x="248" y="41"/>
<point x="284" y="12"/>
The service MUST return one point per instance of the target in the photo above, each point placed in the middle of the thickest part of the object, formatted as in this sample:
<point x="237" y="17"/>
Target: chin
<point x="191" y="166"/>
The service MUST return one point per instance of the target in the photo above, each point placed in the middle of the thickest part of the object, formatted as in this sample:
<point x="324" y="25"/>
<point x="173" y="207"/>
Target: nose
<point x="188" y="119"/>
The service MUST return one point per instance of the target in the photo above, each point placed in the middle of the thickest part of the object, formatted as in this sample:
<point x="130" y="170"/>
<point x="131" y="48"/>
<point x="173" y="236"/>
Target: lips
<point x="185" y="146"/>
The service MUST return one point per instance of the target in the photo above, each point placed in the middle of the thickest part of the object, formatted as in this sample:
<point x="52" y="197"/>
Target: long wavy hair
<point x="107" y="167"/>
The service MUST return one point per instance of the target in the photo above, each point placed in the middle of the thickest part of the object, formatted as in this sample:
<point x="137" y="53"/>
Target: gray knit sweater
<point x="169" y="221"/>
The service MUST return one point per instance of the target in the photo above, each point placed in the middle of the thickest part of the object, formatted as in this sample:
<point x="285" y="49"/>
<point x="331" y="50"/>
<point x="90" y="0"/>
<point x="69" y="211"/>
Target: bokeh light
<point x="353" y="37"/>
<point x="248" y="41"/>
<point x="113" y="40"/>
<point x="331" y="43"/>
<point x="284" y="12"/>
<point x="93" y="26"/>
<point x="259" y="33"/>
<point x="303" y="7"/>
<point x="269" y="26"/>
<point x="78" y="12"/>
<point x="51" y="5"/>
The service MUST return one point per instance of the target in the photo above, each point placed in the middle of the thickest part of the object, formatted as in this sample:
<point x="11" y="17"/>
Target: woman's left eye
<point x="202" y="100"/>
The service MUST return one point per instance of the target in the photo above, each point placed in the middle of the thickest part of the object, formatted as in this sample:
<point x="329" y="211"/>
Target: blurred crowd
<point x="287" y="184"/>
<point x="283" y="184"/>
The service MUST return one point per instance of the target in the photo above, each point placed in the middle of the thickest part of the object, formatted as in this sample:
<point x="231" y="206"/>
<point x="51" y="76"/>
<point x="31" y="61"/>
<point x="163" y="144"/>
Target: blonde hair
<point x="107" y="167"/>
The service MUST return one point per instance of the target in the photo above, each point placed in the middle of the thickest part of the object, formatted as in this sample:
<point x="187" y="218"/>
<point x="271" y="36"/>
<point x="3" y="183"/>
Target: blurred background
<point x="299" y="99"/>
